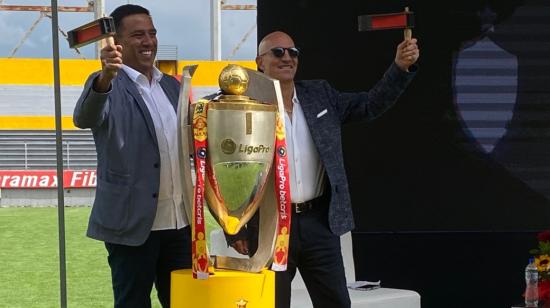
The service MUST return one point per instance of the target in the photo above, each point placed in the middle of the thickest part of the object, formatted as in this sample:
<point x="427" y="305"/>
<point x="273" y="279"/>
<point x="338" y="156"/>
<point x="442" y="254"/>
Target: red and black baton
<point x="402" y="20"/>
<point x="91" y="32"/>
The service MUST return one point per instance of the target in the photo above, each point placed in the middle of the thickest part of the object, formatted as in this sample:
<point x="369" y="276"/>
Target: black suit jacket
<point x="326" y="110"/>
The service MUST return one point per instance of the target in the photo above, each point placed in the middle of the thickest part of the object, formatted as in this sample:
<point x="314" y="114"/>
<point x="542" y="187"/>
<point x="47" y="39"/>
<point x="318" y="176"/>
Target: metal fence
<point x="37" y="150"/>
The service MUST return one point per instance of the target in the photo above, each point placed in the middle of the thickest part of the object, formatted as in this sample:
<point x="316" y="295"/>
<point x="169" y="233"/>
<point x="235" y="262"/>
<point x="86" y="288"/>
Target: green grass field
<point x="29" y="263"/>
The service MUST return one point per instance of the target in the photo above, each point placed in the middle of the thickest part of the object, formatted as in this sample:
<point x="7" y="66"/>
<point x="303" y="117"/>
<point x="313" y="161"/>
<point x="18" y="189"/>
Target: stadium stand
<point x="27" y="129"/>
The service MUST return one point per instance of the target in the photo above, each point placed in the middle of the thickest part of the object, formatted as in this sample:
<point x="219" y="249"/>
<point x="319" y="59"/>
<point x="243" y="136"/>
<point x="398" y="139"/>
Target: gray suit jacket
<point x="128" y="159"/>
<point x="315" y="97"/>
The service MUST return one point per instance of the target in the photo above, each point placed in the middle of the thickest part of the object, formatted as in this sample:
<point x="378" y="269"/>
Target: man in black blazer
<point x="138" y="209"/>
<point x="321" y="206"/>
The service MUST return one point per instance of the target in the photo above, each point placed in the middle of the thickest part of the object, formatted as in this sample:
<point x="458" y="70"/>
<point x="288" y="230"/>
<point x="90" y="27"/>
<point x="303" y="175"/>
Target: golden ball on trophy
<point x="233" y="80"/>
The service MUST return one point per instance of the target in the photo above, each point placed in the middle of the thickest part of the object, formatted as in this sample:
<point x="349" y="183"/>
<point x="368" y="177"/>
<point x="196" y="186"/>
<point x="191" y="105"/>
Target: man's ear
<point x="259" y="64"/>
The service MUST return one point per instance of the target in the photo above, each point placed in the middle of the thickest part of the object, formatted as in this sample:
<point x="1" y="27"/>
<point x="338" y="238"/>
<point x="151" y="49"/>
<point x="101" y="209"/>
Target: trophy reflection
<point x="238" y="144"/>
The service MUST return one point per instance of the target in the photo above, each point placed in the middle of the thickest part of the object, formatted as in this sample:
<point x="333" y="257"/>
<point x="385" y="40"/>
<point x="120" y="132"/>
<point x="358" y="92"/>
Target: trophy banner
<point x="198" y="230"/>
<point x="282" y="190"/>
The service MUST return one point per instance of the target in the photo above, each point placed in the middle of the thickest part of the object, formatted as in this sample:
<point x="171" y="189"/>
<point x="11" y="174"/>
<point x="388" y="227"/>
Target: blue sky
<point x="185" y="23"/>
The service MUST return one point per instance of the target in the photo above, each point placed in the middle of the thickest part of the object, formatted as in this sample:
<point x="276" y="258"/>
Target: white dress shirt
<point x="170" y="212"/>
<point x="305" y="167"/>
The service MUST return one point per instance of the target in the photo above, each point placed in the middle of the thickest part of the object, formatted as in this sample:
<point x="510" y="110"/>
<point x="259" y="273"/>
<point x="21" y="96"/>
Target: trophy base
<point x="225" y="288"/>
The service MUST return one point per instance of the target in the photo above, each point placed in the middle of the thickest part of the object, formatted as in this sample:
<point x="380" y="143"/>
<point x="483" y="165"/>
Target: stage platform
<point x="377" y="298"/>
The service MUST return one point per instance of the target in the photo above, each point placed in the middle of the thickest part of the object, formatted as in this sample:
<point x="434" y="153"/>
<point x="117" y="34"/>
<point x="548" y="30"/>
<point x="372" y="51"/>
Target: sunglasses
<point x="279" y="52"/>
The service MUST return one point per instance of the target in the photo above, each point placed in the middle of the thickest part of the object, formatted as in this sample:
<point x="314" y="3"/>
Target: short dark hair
<point x="126" y="10"/>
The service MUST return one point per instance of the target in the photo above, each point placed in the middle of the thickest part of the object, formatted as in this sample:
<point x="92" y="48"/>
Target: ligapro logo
<point x="228" y="146"/>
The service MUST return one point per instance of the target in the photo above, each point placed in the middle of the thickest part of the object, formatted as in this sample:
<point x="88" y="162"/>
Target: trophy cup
<point x="237" y="140"/>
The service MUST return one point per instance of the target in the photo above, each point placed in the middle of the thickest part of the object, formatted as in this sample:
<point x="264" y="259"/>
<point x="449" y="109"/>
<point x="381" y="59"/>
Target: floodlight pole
<point x="216" y="30"/>
<point x="59" y="154"/>
<point x="216" y="7"/>
<point x="99" y="11"/>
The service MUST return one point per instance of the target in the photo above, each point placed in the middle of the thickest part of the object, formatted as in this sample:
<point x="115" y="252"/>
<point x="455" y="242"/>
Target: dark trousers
<point x="134" y="269"/>
<point x="316" y="252"/>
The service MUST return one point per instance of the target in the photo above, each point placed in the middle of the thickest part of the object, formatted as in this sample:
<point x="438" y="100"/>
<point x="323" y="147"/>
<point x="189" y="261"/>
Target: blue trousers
<point x="316" y="252"/>
<point x="134" y="269"/>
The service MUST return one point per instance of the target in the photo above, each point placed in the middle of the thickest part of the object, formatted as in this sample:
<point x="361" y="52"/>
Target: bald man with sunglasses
<point x="321" y="206"/>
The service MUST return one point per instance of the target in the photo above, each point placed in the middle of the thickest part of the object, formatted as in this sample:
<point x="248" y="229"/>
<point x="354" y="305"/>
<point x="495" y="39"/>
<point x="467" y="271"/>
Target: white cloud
<point x="9" y="29"/>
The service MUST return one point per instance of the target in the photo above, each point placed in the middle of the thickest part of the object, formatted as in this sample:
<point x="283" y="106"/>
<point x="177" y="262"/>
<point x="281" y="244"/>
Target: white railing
<point x="42" y="154"/>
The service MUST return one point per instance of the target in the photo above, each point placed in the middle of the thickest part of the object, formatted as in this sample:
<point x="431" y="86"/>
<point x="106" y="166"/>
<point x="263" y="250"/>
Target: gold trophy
<point x="241" y="139"/>
<point x="237" y="140"/>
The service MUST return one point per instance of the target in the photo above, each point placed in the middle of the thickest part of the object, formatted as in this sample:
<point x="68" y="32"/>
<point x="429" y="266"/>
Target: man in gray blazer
<point x="138" y="211"/>
<point x="321" y="206"/>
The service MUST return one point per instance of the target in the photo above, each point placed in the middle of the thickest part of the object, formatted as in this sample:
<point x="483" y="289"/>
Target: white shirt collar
<point x="135" y="75"/>
<point x="295" y="99"/>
